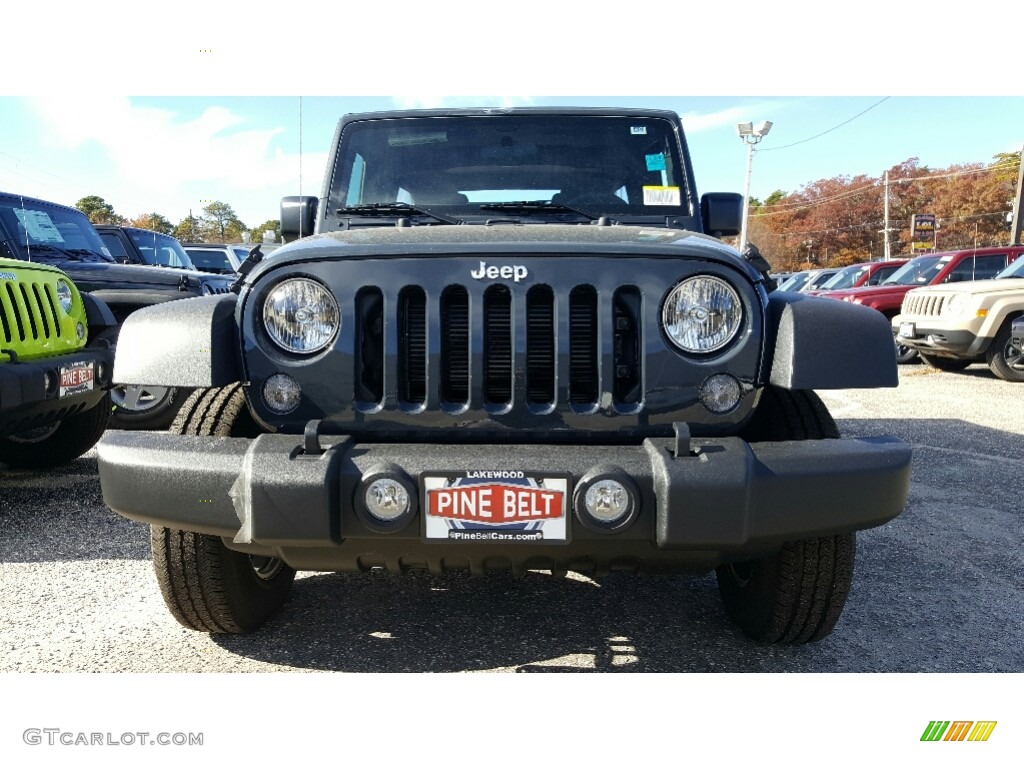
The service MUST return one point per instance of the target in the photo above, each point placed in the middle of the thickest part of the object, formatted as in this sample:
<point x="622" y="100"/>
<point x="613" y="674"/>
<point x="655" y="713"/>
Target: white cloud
<point x="163" y="162"/>
<point x="694" y="122"/>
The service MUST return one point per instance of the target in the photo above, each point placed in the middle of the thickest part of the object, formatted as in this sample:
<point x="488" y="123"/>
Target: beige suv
<point x="954" y="325"/>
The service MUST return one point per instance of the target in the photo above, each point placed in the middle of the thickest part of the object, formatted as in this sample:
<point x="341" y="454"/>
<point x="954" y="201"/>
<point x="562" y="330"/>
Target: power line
<point x="818" y="135"/>
<point x="801" y="205"/>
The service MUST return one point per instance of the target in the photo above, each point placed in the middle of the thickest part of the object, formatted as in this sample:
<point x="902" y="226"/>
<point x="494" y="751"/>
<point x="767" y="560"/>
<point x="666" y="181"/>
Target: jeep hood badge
<point x="515" y="272"/>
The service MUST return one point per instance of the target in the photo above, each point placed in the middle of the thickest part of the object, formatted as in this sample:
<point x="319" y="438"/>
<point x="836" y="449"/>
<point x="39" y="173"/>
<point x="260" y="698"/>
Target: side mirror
<point x="722" y="213"/>
<point x="298" y="216"/>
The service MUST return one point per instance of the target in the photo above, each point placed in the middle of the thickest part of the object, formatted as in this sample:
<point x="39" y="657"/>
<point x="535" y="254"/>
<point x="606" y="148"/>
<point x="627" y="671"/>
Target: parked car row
<point x="66" y="287"/>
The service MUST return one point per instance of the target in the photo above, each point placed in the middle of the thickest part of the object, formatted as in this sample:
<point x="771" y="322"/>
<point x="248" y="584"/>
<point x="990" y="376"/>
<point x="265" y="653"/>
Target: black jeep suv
<point x="511" y="340"/>
<point x="123" y="287"/>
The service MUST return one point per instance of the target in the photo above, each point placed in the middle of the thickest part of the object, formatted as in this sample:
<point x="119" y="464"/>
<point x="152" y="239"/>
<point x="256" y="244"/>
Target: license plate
<point x="908" y="330"/>
<point x="496" y="506"/>
<point x="76" y="378"/>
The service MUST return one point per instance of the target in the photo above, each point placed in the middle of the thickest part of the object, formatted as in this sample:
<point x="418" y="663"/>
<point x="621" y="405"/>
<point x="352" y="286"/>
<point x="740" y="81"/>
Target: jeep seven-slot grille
<point x="923" y="305"/>
<point x="513" y="332"/>
<point x="28" y="311"/>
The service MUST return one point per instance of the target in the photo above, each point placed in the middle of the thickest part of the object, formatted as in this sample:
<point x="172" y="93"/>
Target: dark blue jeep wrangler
<point x="507" y="339"/>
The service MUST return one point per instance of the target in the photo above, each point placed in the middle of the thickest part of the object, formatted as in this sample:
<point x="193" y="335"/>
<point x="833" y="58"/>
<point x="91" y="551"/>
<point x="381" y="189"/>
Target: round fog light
<point x="720" y="393"/>
<point x="386" y="499"/>
<point x="282" y="393"/>
<point x="49" y="381"/>
<point x="607" y="501"/>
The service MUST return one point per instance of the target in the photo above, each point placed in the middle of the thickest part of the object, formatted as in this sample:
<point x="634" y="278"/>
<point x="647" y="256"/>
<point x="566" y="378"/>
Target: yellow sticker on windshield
<point x="661" y="195"/>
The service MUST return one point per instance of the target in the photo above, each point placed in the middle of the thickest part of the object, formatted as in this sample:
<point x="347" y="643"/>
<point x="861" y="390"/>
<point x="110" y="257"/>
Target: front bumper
<point x="949" y="341"/>
<point x="31" y="392"/>
<point x="723" y="499"/>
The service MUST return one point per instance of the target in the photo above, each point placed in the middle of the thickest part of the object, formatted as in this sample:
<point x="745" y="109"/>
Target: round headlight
<point x="300" y="315"/>
<point x="954" y="306"/>
<point x="64" y="295"/>
<point x="702" y="314"/>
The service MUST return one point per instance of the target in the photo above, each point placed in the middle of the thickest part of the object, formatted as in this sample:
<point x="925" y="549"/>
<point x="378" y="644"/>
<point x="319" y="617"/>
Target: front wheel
<point x="904" y="354"/>
<point x="794" y="596"/>
<point x="205" y="585"/>
<point x="1005" y="357"/>
<point x="797" y="594"/>
<point x="57" y="443"/>
<point x="144" y="407"/>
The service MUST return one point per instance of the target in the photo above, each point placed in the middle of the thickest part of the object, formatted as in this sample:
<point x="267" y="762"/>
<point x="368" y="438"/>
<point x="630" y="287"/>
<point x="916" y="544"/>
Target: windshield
<point x="919" y="271"/>
<point x="816" y="280"/>
<point x="210" y="260"/>
<point x="160" y="250"/>
<point x="1016" y="269"/>
<point x="39" y="231"/>
<point x="619" y="165"/>
<point x="794" y="282"/>
<point x="844" y="278"/>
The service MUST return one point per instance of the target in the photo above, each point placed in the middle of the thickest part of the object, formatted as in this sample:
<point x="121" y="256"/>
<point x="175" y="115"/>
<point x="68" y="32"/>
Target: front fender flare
<point x="184" y="343"/>
<point x="822" y="343"/>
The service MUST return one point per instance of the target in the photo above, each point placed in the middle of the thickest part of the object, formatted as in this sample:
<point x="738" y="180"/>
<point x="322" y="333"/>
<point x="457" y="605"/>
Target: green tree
<point x="271" y="225"/>
<point x="153" y="221"/>
<point x="190" y="230"/>
<point x="98" y="210"/>
<point x="221" y="224"/>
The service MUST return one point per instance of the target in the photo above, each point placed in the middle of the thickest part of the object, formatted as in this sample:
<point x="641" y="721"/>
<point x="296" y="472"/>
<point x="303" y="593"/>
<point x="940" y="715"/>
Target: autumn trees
<point x="218" y="222"/>
<point x="840" y="221"/>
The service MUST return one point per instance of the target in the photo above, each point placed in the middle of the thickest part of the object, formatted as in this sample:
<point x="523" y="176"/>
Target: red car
<point x="930" y="269"/>
<point x="857" y="275"/>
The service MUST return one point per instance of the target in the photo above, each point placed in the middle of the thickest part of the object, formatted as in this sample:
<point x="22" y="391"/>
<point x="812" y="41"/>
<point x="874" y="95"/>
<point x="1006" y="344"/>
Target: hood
<point x="977" y="287"/>
<point x="379" y="242"/>
<point x="871" y="291"/>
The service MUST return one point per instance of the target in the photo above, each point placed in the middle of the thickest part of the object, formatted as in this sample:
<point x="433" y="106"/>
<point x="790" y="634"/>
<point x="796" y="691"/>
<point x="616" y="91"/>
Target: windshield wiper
<point x="47" y="247"/>
<point x="394" y="209"/>
<point x="536" y="206"/>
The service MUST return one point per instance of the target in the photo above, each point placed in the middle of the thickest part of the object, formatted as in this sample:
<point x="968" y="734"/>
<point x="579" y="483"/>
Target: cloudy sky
<point x="173" y="154"/>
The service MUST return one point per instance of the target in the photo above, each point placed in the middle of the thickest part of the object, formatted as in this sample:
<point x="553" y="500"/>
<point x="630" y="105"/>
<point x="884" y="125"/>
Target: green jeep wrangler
<point x="55" y="366"/>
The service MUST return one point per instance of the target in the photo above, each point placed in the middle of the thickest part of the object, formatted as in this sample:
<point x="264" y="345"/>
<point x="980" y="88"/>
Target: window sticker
<point x="638" y="130"/>
<point x="655" y="162"/>
<point x="661" y="196"/>
<point x="39" y="226"/>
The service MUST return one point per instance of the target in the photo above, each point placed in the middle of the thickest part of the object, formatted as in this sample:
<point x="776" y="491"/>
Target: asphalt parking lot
<point x="941" y="588"/>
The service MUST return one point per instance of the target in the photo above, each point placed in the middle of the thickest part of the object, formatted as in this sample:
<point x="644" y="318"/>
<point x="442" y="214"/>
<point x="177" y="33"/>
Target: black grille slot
<point x="583" y="351"/>
<point x="455" y="345"/>
<point x="540" y="345"/>
<point x="369" y="349"/>
<point x="16" y="312"/>
<point x="4" y="311"/>
<point x="29" y="312"/>
<point x="498" y="345"/>
<point x="42" y="309"/>
<point x="412" y="345"/>
<point x="627" y="345"/>
<point x="48" y="290"/>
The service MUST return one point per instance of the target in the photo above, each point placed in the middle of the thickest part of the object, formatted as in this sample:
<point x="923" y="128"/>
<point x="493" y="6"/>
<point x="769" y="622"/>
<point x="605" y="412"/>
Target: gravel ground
<point x="941" y="588"/>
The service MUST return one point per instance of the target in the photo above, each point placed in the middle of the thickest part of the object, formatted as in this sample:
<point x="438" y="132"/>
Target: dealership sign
<point x="922" y="232"/>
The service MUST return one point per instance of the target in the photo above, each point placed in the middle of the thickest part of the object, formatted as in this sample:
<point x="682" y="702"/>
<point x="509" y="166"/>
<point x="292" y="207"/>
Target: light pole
<point x="750" y="135"/>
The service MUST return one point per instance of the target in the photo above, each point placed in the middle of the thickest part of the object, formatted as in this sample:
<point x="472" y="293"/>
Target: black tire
<point x="904" y="354"/>
<point x="206" y="586"/>
<point x="797" y="594"/>
<point x="158" y="407"/>
<point x="59" y="443"/>
<point x="1004" y="358"/>
<point x="944" y="363"/>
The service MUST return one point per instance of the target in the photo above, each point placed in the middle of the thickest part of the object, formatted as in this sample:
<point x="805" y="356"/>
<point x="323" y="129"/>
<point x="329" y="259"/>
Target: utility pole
<point x="1018" y="203"/>
<point x="885" y="232"/>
